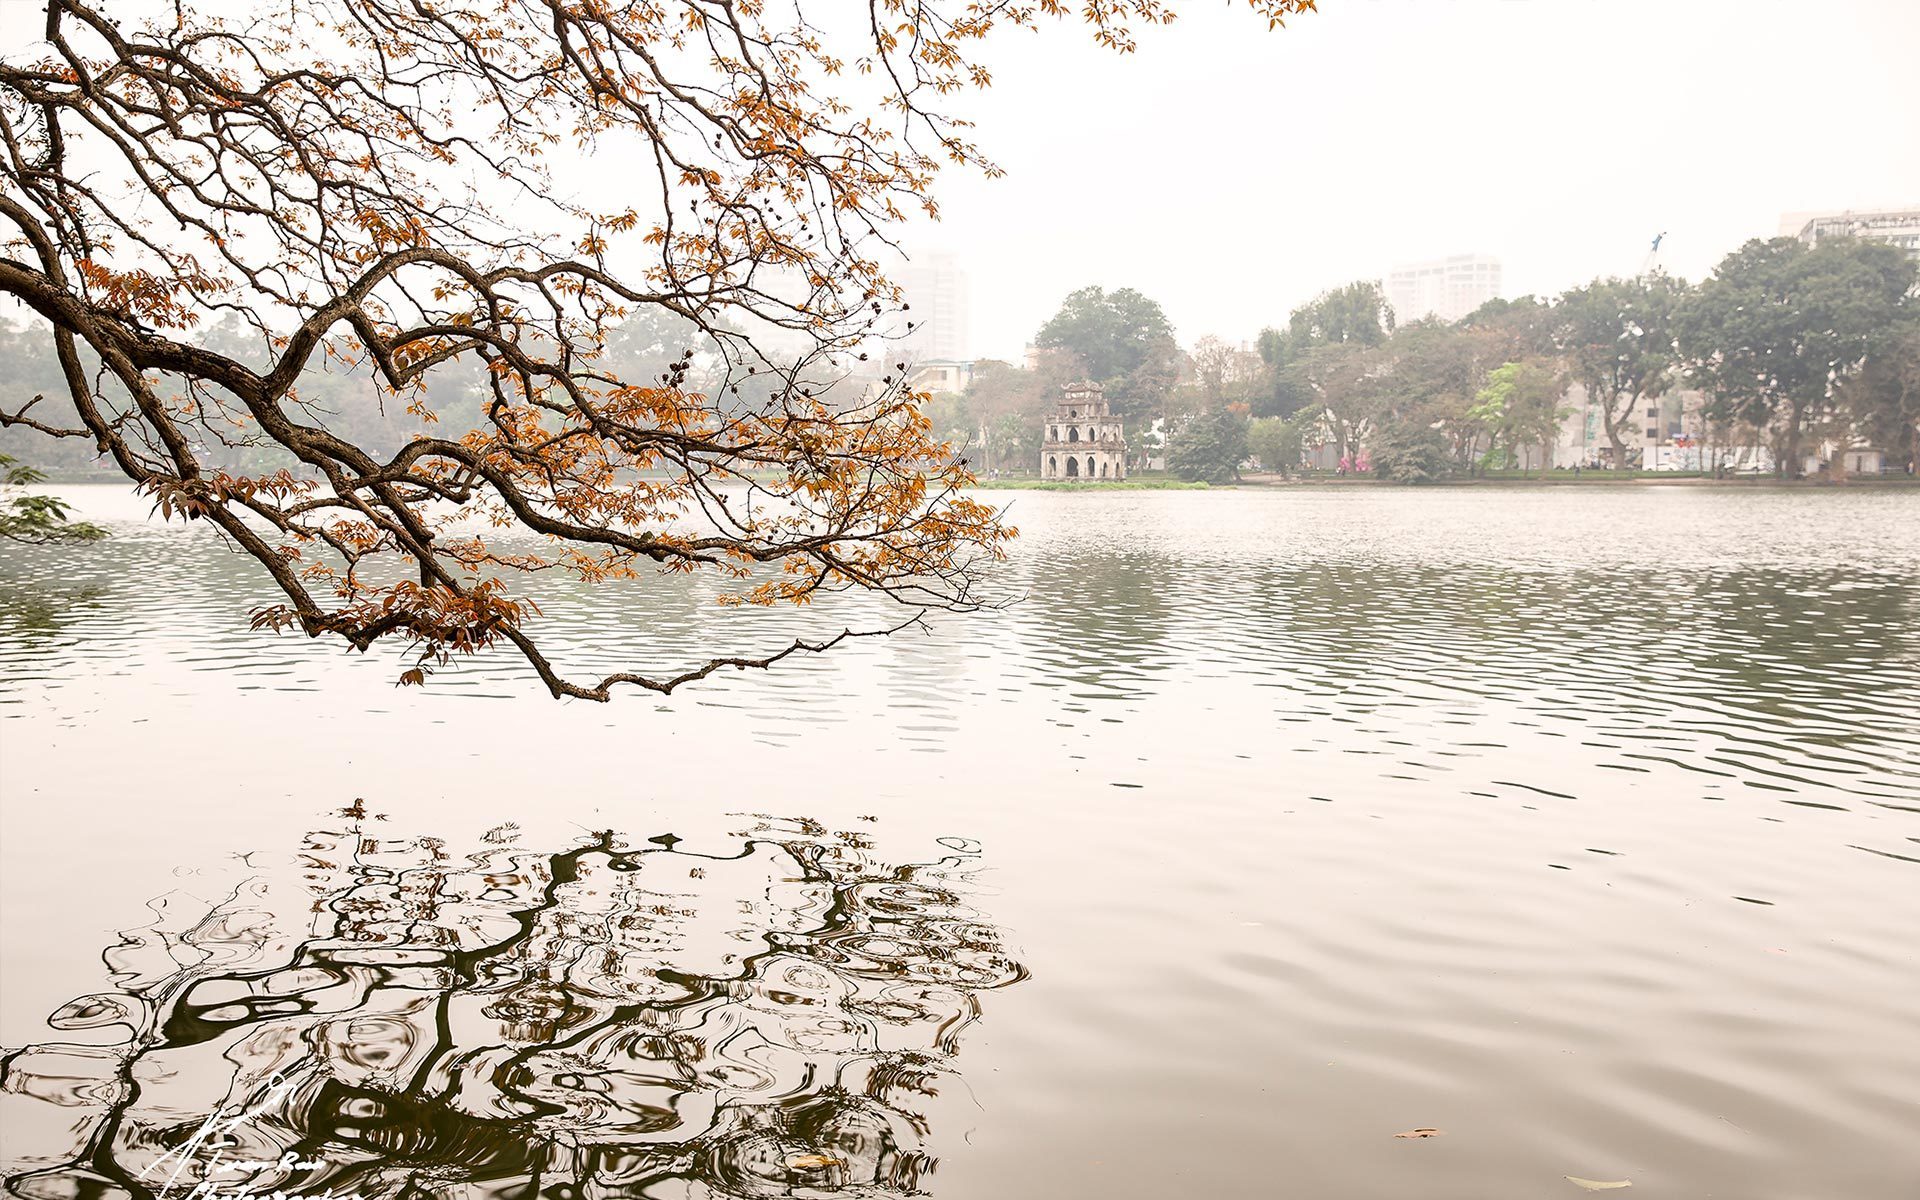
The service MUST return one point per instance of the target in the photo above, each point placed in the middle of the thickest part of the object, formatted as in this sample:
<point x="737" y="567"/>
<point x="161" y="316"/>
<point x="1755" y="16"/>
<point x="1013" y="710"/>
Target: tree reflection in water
<point x="33" y="614"/>
<point x="610" y="1020"/>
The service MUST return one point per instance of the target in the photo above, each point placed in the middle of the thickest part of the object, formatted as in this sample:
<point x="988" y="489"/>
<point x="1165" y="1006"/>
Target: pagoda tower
<point x="1083" y="440"/>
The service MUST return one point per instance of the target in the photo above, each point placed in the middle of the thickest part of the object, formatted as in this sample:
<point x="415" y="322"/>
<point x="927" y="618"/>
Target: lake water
<point x="1583" y="828"/>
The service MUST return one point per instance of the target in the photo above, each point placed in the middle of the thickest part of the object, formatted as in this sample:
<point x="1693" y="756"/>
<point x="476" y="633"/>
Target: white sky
<point x="1231" y="174"/>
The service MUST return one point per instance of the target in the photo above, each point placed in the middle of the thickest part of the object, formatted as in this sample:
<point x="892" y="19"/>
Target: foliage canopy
<point x="1120" y="339"/>
<point x="1209" y="448"/>
<point x="30" y="517"/>
<point x="1618" y="338"/>
<point x="1776" y="332"/>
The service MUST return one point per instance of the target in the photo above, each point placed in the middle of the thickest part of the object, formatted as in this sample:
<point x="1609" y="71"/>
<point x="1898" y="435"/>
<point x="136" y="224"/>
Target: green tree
<point x="1412" y="454"/>
<point x="1357" y="314"/>
<point x="27" y="517"/>
<point x="1780" y="327"/>
<point x="1523" y="327"/>
<point x="1007" y="406"/>
<point x="1882" y="402"/>
<point x="1209" y="447"/>
<point x="1276" y="442"/>
<point x="1428" y="376"/>
<point x="29" y="368"/>
<point x="1342" y="390"/>
<point x="1121" y="339"/>
<point x="1013" y="444"/>
<point x="1279" y="398"/>
<point x="1520" y="406"/>
<point x="1618" y="339"/>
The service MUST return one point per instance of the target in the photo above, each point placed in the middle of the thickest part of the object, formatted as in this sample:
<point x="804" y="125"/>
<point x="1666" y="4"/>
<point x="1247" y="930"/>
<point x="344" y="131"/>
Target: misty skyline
<point x="1231" y="173"/>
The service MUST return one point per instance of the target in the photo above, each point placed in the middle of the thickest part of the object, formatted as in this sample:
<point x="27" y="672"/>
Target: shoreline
<point x="1263" y="482"/>
<point x="1589" y="479"/>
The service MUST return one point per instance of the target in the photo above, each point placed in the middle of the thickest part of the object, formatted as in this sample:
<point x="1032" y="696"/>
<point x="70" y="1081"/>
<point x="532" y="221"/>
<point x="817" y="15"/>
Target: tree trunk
<point x="1619" y="447"/>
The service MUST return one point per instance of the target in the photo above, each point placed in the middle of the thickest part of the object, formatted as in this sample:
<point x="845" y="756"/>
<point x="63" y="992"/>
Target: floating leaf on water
<point x="1598" y="1185"/>
<point x="1421" y="1132"/>
<point x="812" y="1162"/>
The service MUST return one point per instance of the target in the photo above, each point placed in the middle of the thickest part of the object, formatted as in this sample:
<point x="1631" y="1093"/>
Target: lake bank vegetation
<point x="1789" y="360"/>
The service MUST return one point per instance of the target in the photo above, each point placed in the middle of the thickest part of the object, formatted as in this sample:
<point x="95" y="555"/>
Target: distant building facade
<point x="941" y="376"/>
<point x="1153" y="451"/>
<point x="1448" y="288"/>
<point x="1671" y="433"/>
<point x="937" y="297"/>
<point x="1896" y="226"/>
<point x="1667" y="432"/>
<point x="1082" y="438"/>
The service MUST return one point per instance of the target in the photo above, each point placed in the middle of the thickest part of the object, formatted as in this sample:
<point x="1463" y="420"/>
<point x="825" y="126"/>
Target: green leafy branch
<point x="38" y="520"/>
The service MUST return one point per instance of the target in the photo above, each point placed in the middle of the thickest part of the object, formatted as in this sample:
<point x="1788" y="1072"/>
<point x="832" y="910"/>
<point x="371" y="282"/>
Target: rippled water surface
<point x="1583" y="828"/>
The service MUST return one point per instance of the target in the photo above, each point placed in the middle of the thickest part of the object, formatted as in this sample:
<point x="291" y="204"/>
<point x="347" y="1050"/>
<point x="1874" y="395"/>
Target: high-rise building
<point x="1897" y="226"/>
<point x="1448" y="288"/>
<point x="936" y="292"/>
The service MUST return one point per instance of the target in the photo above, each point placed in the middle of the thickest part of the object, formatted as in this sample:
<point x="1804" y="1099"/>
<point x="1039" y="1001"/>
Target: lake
<point x="1582" y="828"/>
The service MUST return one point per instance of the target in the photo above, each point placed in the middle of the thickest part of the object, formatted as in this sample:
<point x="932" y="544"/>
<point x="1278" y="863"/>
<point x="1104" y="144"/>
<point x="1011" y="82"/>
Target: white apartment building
<point x="936" y="293"/>
<point x="941" y="376"/>
<point x="1656" y="433"/>
<point x="1670" y="433"/>
<point x="1897" y="226"/>
<point x="1448" y="288"/>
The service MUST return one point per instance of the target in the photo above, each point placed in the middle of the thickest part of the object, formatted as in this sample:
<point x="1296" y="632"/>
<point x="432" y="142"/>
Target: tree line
<point x="1785" y="347"/>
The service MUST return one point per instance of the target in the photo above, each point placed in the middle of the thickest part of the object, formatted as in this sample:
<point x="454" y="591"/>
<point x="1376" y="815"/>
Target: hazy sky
<point x="1231" y="173"/>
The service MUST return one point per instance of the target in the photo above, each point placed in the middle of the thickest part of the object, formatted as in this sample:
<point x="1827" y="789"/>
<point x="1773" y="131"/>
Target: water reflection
<point x="1759" y="644"/>
<point x="1580" y="825"/>
<point x="1778" y="680"/>
<point x="389" y="1018"/>
<point x="32" y="615"/>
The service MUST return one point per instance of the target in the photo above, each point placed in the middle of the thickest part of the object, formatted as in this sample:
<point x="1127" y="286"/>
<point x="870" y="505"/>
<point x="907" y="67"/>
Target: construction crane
<point x="1653" y="254"/>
